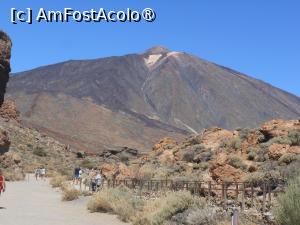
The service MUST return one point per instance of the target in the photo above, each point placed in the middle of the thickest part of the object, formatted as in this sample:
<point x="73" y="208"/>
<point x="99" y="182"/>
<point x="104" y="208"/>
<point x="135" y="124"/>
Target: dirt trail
<point x="36" y="203"/>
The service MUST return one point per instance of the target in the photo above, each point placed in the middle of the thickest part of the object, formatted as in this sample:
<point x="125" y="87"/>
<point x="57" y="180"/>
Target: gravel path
<point x="36" y="203"/>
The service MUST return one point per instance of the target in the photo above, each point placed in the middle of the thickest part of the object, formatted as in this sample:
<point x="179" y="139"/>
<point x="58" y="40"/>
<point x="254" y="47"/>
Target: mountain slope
<point x="136" y="99"/>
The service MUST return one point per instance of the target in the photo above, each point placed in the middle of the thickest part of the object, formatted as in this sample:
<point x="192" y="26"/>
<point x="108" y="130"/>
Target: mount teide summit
<point x="136" y="99"/>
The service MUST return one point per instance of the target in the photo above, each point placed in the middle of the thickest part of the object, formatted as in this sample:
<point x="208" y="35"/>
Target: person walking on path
<point x="37" y="173"/>
<point x="43" y="173"/>
<point x="2" y="182"/>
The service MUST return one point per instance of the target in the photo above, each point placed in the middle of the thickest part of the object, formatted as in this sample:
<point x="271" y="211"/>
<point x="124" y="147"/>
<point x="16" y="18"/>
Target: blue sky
<point x="259" y="38"/>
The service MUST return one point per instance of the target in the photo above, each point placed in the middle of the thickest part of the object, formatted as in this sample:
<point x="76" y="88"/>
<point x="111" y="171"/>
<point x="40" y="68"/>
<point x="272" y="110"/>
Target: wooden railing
<point x="239" y="193"/>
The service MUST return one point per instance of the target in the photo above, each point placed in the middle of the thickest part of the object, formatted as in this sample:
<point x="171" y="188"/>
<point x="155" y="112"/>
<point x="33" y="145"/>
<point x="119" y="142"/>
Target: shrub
<point x="146" y="172"/>
<point x="257" y="178"/>
<point x="285" y="140"/>
<point x="291" y="170"/>
<point x="57" y="181"/>
<point x="236" y="162"/>
<point x="81" y="154"/>
<point x="225" y="143"/>
<point x="188" y="157"/>
<point x="86" y="163"/>
<point x="262" y="155"/>
<point x="287" y="158"/>
<point x="244" y="133"/>
<point x="124" y="157"/>
<point x="203" y="217"/>
<point x="70" y="194"/>
<point x="119" y="200"/>
<point x="251" y="155"/>
<point x="234" y="143"/>
<point x="157" y="212"/>
<point x="237" y="143"/>
<point x="287" y="211"/>
<point x="40" y="152"/>
<point x="204" y="165"/>
<point x="294" y="137"/>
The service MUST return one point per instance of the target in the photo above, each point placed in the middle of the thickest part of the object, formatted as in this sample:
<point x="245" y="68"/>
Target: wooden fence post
<point x="269" y="194"/>
<point x="252" y="195"/>
<point x="243" y="196"/>
<point x="223" y="191"/>
<point x="209" y="189"/>
<point x="236" y="192"/>
<point x="264" y="197"/>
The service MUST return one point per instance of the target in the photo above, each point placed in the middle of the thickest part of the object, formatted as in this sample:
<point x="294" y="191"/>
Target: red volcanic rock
<point x="276" y="128"/>
<point x="277" y="150"/>
<point x="227" y="172"/>
<point x="164" y="143"/>
<point x="294" y="149"/>
<point x="212" y="137"/>
<point x="118" y="171"/>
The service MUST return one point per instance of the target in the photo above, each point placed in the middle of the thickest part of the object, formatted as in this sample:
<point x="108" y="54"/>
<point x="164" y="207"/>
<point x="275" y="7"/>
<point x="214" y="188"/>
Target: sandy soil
<point x="36" y="203"/>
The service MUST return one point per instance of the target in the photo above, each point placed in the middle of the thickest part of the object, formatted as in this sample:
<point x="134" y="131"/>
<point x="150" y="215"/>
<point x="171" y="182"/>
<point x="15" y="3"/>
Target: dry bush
<point x="236" y="162"/>
<point x="57" y="181"/>
<point x="203" y="216"/>
<point x="119" y="200"/>
<point x="14" y="175"/>
<point x="146" y="172"/>
<point x="70" y="194"/>
<point x="294" y="137"/>
<point x="157" y="212"/>
<point x="287" y="158"/>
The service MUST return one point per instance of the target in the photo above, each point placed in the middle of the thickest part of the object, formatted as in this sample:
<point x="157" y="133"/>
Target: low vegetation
<point x="131" y="208"/>
<point x="70" y="194"/>
<point x="288" y="208"/>
<point x="119" y="200"/>
<point x="57" y="181"/>
<point x="162" y="209"/>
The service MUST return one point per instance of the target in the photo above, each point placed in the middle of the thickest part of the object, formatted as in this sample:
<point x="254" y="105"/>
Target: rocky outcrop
<point x="275" y="128"/>
<point x="227" y="173"/>
<point x="275" y="151"/>
<point x="163" y="144"/>
<point x="117" y="171"/>
<point x="5" y="54"/>
<point x="8" y="111"/>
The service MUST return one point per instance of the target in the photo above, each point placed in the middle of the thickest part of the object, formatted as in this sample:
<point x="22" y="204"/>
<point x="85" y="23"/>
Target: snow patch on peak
<point x="152" y="59"/>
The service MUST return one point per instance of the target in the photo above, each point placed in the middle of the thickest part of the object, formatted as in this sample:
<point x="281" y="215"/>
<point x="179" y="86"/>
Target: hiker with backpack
<point x="77" y="175"/>
<point x="2" y="182"/>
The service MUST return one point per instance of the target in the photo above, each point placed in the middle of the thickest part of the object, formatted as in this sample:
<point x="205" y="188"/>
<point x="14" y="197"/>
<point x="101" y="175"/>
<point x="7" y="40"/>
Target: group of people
<point x="40" y="172"/>
<point x="93" y="178"/>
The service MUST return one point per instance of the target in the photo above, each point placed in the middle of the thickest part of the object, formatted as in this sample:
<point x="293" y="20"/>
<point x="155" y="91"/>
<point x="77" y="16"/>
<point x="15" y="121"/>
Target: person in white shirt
<point x="43" y="173"/>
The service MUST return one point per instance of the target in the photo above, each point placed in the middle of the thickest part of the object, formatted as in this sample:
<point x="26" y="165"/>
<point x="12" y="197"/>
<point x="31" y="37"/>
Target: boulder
<point x="275" y="150"/>
<point x="117" y="171"/>
<point x="221" y="159"/>
<point x="227" y="173"/>
<point x="212" y="137"/>
<point x="294" y="149"/>
<point x="275" y="128"/>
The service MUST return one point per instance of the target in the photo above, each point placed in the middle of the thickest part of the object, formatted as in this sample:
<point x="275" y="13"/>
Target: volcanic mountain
<point x="136" y="99"/>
